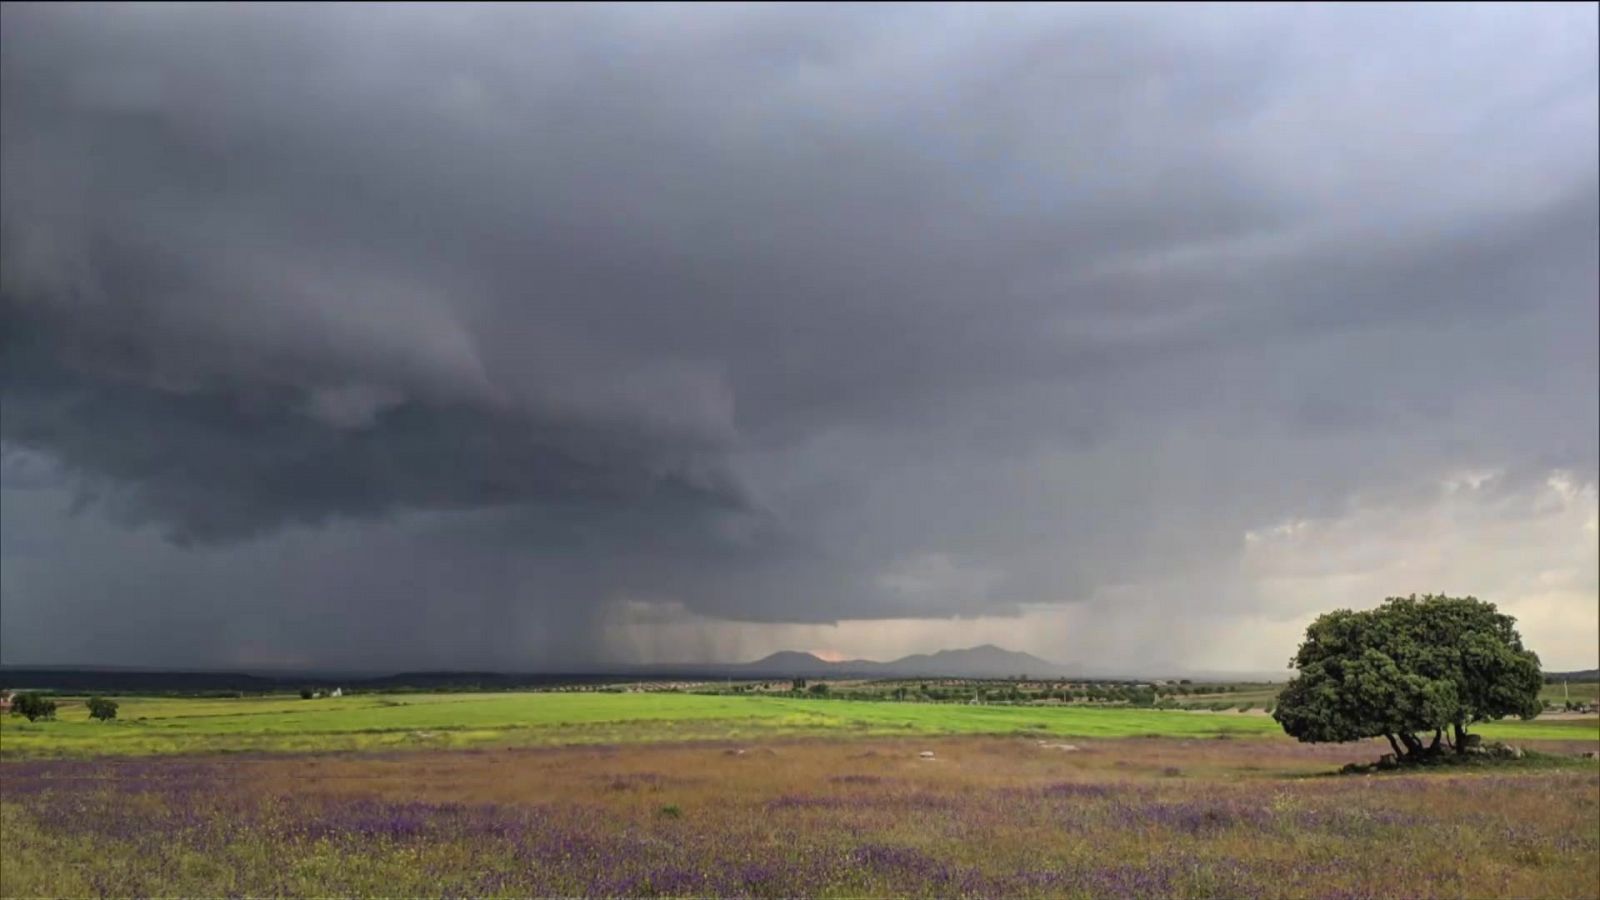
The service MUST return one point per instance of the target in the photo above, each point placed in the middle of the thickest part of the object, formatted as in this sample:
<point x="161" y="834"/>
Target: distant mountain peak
<point x="982" y="661"/>
<point x="985" y="649"/>
<point x="789" y="656"/>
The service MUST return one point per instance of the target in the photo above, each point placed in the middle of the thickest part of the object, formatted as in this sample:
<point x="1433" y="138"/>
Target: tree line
<point x="35" y="707"/>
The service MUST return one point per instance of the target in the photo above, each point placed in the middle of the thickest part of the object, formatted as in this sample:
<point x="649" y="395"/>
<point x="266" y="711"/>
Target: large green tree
<point x="1411" y="666"/>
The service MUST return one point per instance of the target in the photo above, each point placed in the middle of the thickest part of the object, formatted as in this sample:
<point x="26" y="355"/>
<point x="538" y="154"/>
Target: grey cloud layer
<point x="755" y="308"/>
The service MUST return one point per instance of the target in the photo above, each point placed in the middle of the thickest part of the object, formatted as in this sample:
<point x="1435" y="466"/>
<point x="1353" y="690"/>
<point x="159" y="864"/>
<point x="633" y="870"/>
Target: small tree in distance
<point x="33" y="707"/>
<point x="102" y="709"/>
<point x="1410" y="666"/>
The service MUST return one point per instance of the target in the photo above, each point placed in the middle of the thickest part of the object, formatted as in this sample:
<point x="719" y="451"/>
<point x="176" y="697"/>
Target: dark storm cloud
<point x="218" y="462"/>
<point x="781" y="313"/>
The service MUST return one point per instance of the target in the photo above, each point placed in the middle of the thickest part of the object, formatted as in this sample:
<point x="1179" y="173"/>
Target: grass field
<point x="1577" y="692"/>
<point x="681" y="795"/>
<point x="814" y="817"/>
<point x="277" y="724"/>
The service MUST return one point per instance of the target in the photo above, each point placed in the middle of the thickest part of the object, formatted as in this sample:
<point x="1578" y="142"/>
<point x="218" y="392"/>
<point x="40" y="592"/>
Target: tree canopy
<point x="34" y="707"/>
<point x="102" y="709"/>
<point x="1410" y="666"/>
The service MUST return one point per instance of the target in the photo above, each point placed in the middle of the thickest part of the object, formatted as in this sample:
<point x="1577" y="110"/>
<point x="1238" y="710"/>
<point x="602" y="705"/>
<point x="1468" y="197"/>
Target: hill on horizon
<point x="983" y="661"/>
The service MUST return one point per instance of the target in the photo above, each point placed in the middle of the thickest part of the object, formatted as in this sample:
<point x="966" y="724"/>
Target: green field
<point x="277" y="724"/>
<point x="1577" y="692"/>
<point x="856" y="809"/>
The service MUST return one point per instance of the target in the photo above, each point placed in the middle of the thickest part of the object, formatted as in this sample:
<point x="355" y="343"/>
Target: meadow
<point x="985" y="817"/>
<point x="391" y="721"/>
<point x="681" y="795"/>
<point x="1577" y="692"/>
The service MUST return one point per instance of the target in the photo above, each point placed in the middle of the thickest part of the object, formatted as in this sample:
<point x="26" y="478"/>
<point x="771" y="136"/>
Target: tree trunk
<point x="1397" y="751"/>
<point x="1413" y="746"/>
<point x="1461" y="737"/>
<point x="1438" y="735"/>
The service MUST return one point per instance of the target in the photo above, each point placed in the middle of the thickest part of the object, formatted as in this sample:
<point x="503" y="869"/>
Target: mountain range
<point x="985" y="661"/>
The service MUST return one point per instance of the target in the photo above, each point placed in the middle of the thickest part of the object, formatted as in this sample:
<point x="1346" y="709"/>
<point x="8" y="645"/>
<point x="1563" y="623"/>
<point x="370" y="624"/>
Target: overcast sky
<point x="530" y="336"/>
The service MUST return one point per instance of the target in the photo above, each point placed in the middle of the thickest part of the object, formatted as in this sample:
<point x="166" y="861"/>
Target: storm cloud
<point x="427" y="335"/>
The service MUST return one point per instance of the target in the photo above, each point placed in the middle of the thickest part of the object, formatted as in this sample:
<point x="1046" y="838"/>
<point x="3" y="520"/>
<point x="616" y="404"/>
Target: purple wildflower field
<point x="799" y="823"/>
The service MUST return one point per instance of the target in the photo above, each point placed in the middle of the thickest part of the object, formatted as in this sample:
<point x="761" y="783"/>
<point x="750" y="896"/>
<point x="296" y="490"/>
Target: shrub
<point x="33" y="707"/>
<point x="102" y="709"/>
